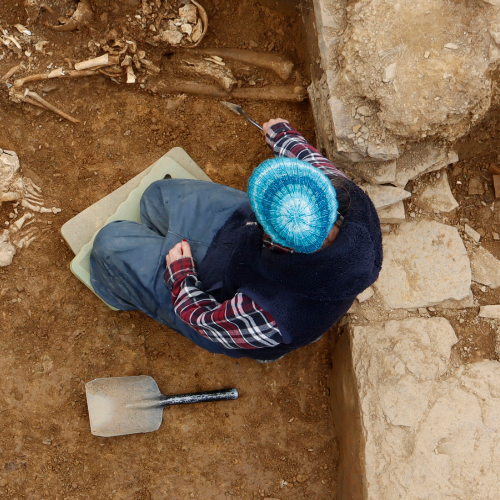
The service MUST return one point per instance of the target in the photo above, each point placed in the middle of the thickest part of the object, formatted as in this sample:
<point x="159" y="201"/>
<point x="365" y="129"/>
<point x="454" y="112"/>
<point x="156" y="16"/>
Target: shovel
<point x="236" y="108"/>
<point x="129" y="405"/>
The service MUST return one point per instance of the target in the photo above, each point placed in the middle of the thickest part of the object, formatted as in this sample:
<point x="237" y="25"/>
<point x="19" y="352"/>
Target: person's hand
<point x="182" y="249"/>
<point x="272" y="122"/>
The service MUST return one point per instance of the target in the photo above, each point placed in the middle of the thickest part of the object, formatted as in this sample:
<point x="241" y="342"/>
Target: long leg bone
<point x="71" y="73"/>
<point x="271" y="93"/>
<point x="34" y="99"/>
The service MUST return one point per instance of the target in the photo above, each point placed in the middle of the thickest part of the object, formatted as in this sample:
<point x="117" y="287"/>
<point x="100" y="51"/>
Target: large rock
<point x="422" y="159"/>
<point x="485" y="268"/>
<point x="425" y="263"/>
<point x="416" y="61"/>
<point x="377" y="172"/>
<point x="385" y="196"/>
<point x="394" y="214"/>
<point x="437" y="196"/>
<point x="409" y="426"/>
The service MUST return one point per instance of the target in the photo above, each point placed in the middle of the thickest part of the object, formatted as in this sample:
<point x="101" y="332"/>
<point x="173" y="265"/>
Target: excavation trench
<point x="277" y="440"/>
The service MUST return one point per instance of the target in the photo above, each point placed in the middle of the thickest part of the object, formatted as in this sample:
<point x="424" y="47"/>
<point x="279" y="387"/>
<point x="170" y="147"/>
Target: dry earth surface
<point x="277" y="439"/>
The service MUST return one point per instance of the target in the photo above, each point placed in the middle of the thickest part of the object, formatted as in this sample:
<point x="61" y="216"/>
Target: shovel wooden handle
<point x="199" y="397"/>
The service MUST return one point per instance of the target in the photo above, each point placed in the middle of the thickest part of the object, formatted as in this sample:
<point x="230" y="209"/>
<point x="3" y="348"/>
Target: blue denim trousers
<point x="127" y="263"/>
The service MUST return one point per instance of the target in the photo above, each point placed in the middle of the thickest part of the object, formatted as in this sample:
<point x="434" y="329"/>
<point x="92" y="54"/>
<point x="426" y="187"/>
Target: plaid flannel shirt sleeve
<point x="284" y="140"/>
<point x="238" y="323"/>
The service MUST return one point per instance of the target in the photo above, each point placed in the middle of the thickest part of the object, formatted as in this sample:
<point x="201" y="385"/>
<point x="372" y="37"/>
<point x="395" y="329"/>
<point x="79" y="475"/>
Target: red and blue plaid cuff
<point x="177" y="272"/>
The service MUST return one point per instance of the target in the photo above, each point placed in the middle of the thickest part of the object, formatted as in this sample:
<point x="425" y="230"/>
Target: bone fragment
<point x="215" y="61"/>
<point x="223" y="76"/>
<point x="127" y="61"/>
<point x="22" y="29"/>
<point x="19" y="222"/>
<point x="49" y="106"/>
<point x="98" y="62"/>
<point x="31" y="185"/>
<point x="25" y="242"/>
<point x="130" y="74"/>
<point x="271" y="93"/>
<point x="44" y="76"/>
<point x="204" y="18"/>
<point x="27" y="204"/>
<point x="34" y="201"/>
<point x="44" y="210"/>
<point x="10" y="196"/>
<point x="69" y="25"/>
<point x="150" y="66"/>
<point x="11" y="72"/>
<point x="14" y="41"/>
<point x="55" y="210"/>
<point x="278" y="63"/>
<point x="56" y="73"/>
<point x="82" y="16"/>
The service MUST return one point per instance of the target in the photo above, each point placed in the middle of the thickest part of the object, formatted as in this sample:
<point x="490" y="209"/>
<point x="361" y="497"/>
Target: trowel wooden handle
<point x="199" y="397"/>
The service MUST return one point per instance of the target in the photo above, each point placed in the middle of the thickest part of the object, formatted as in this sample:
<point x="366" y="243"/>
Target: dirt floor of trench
<point x="277" y="439"/>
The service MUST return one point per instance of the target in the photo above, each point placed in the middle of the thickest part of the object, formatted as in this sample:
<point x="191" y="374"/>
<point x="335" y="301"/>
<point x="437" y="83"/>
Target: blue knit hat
<point x="294" y="202"/>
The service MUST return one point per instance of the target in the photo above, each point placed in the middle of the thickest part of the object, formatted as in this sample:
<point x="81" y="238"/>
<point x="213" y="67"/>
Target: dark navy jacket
<point x="306" y="294"/>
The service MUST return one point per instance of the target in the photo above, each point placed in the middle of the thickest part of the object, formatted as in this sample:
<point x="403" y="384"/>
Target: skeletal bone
<point x="223" y="76"/>
<point x="14" y="228"/>
<point x="11" y="72"/>
<point x="27" y="204"/>
<point x="27" y="239"/>
<point x="98" y="62"/>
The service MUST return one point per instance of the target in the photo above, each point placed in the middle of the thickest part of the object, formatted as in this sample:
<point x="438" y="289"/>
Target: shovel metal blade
<point x="123" y="405"/>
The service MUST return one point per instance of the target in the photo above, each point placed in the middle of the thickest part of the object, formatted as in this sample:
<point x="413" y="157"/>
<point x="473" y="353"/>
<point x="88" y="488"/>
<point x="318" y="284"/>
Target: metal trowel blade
<point x="235" y="108"/>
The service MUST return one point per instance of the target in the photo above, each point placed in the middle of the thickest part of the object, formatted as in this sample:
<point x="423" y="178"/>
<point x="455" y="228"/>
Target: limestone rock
<point x="472" y="233"/>
<point x="466" y="303"/>
<point x="389" y="73"/>
<point x="395" y="214"/>
<point x="377" y="172"/>
<point x="384" y="196"/>
<point x="495" y="32"/>
<point x="378" y="47"/>
<point x="424" y="431"/>
<point x="365" y="111"/>
<point x="492" y="312"/>
<point x="485" y="268"/>
<point x="385" y="151"/>
<point x="437" y="196"/>
<point x="365" y="295"/>
<point x="495" y="3"/>
<point x="420" y="159"/>
<point x="424" y="264"/>
<point x="344" y="125"/>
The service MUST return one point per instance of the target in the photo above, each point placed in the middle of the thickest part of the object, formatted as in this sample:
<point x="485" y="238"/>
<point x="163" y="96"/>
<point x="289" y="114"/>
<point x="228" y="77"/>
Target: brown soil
<point x="277" y="439"/>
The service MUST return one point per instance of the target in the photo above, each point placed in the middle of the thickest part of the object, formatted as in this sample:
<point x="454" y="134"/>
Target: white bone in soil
<point x="23" y="191"/>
